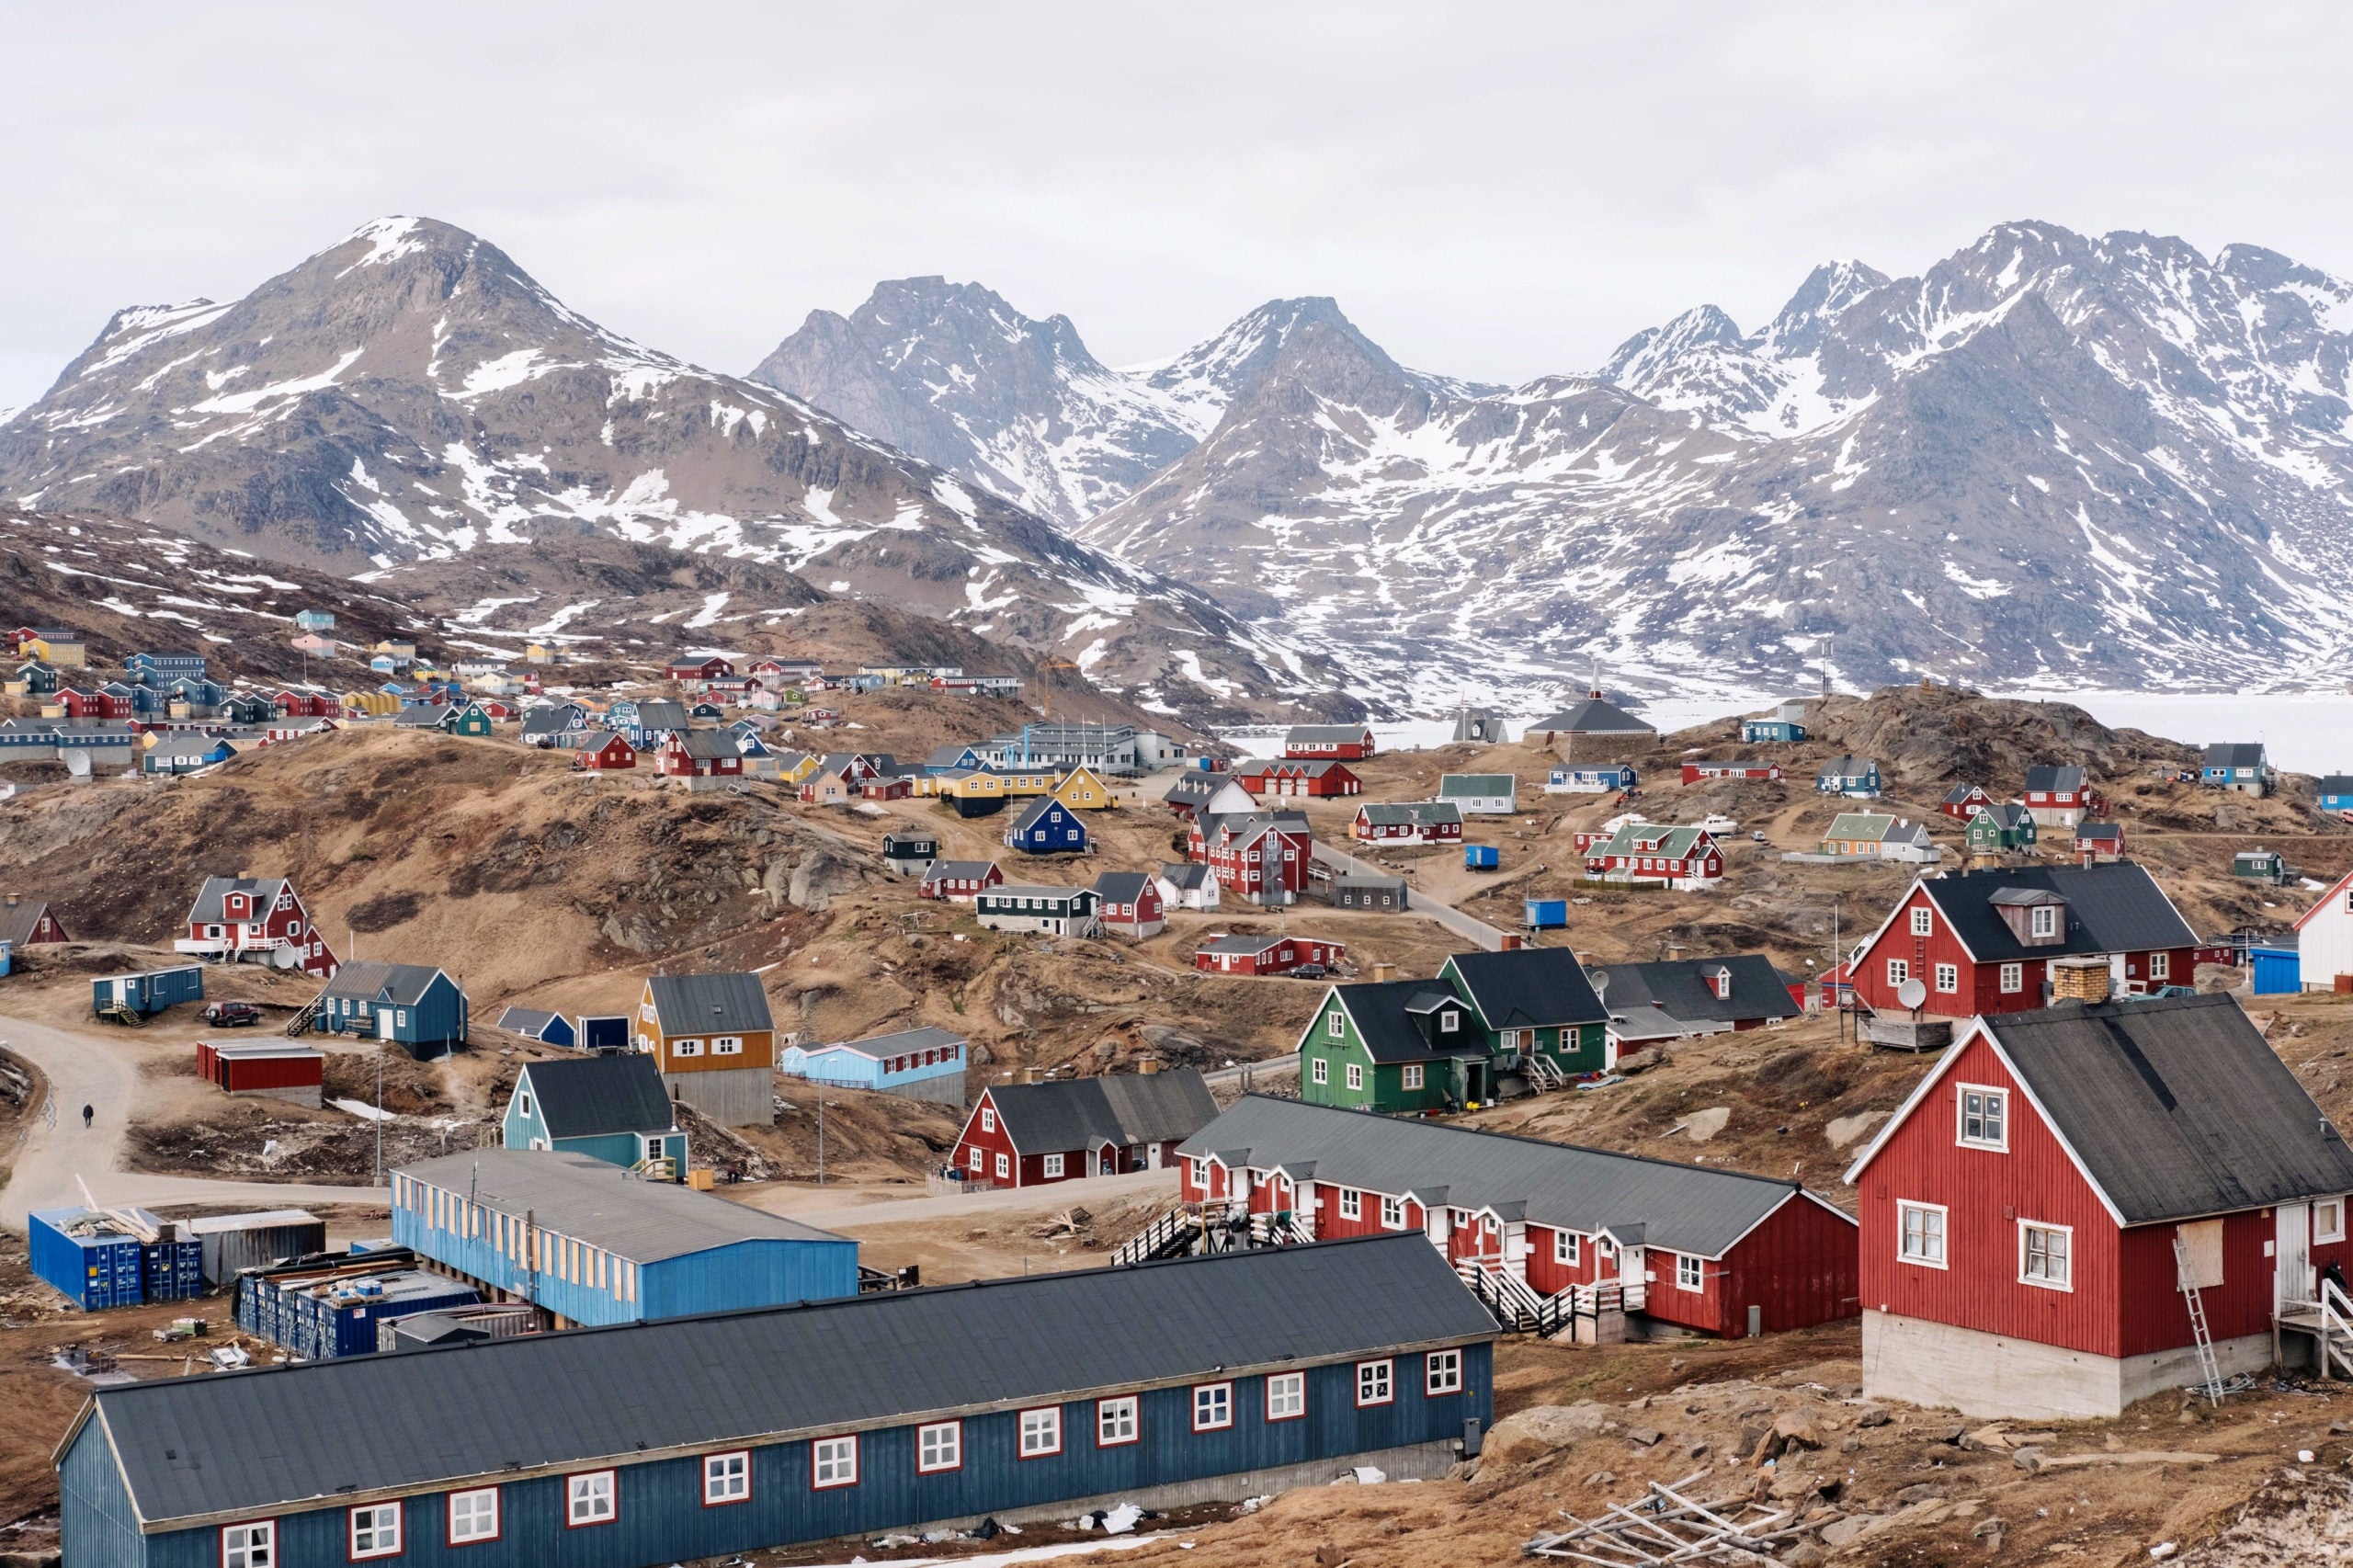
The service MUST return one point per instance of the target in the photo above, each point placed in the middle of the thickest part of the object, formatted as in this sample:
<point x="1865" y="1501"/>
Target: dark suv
<point x="227" y="1013"/>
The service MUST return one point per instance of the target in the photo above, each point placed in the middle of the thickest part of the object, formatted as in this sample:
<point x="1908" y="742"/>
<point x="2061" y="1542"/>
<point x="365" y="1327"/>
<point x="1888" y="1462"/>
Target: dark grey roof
<point x="251" y="1442"/>
<point x="1044" y="805"/>
<point x="958" y="871"/>
<point x="404" y="985"/>
<point x="661" y="713"/>
<point x="422" y="716"/>
<point x="1122" y="887"/>
<point x="1683" y="988"/>
<point x="1191" y="874"/>
<point x="594" y="1201"/>
<point x="1302" y="733"/>
<point x="1961" y="793"/>
<point x="715" y="1004"/>
<point x="1132" y="1108"/>
<point x="1242" y="944"/>
<point x="1392" y="884"/>
<point x="1384" y="1012"/>
<point x="2047" y="777"/>
<point x="1528" y="988"/>
<point x="1193" y="788"/>
<point x="2099" y="829"/>
<point x="2178" y="1107"/>
<point x="949" y="756"/>
<point x="1849" y="767"/>
<point x="1075" y="901"/>
<point x="1690" y="1208"/>
<point x="899" y="843"/>
<point x="2110" y="909"/>
<point x="207" y="907"/>
<point x="881" y="1045"/>
<point x="1593" y="716"/>
<point x="185" y="743"/>
<point x="533" y="1021"/>
<point x="2007" y="814"/>
<point x="2234" y="754"/>
<point x="17" y="920"/>
<point x="2336" y="784"/>
<point x="706" y="743"/>
<point x="590" y="1095"/>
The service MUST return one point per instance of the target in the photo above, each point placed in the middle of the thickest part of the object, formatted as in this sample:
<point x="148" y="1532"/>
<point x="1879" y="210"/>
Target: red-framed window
<point x="727" y="1478"/>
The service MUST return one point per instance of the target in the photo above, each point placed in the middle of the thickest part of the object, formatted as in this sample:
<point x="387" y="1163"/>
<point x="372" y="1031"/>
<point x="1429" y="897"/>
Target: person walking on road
<point x="89" y="1115"/>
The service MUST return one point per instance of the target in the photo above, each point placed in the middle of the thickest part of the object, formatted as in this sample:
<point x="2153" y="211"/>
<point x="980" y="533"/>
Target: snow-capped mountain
<point x="410" y="393"/>
<point x="955" y="375"/>
<point x="2050" y="459"/>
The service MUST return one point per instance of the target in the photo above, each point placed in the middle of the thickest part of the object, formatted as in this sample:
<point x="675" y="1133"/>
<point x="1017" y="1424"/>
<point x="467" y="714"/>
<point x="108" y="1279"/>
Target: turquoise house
<point x="608" y="1108"/>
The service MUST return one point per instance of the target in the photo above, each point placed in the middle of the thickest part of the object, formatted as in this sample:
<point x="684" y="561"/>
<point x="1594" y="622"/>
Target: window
<point x="832" y="1462"/>
<point x="375" y="1531"/>
<point x="1565" y="1248"/>
<point x="1442" y="1372"/>
<point x="1448" y="1021"/>
<point x="1690" y="1273"/>
<point x="1898" y="972"/>
<point x="1286" y="1396"/>
<point x="1053" y="1165"/>
<point x="2328" y="1219"/>
<point x="588" y="1499"/>
<point x="1115" y="1422"/>
<point x="1412" y="1077"/>
<point x="1212" y="1407"/>
<point x="1320" y="1071"/>
<point x="988" y="1119"/>
<point x="2043" y="920"/>
<point x="251" y="1545"/>
<point x="978" y="1159"/>
<point x="1041" y="1432"/>
<point x="731" y="1046"/>
<point x="1392" y="1213"/>
<point x="2160" y="966"/>
<point x="1948" y="978"/>
<point x="473" y="1515"/>
<point x="1985" y="1118"/>
<point x="1355" y="1076"/>
<point x="2013" y="979"/>
<point x="1922" y="1235"/>
<point x="687" y="1048"/>
<point x="938" y="1447"/>
<point x="2042" y="1256"/>
<point x="1336" y="1024"/>
<point x="1375" y="1382"/>
<point x="1004" y="1167"/>
<point x="1351" y="1204"/>
<point x="1924" y="921"/>
<point x="726" y="1478"/>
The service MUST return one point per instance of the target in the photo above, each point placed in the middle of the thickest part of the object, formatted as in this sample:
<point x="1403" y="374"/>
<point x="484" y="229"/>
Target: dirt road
<point x="89" y="1068"/>
<point x="882" y="1206"/>
<point x="1419" y="901"/>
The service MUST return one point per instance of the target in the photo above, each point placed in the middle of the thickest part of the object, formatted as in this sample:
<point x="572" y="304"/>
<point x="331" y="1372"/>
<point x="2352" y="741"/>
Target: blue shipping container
<point x="148" y="992"/>
<point x="1544" y="913"/>
<point x="2277" y="971"/>
<point x="94" y="1269"/>
<point x="171" y="1271"/>
<point x="604" y="1033"/>
<point x="1481" y="858"/>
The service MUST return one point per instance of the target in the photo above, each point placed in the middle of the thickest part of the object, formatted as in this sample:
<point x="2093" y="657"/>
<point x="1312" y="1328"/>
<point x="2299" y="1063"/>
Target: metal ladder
<point x="2210" y="1371"/>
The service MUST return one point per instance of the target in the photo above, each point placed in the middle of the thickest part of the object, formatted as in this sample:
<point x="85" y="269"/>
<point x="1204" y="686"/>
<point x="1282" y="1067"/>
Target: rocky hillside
<point x="410" y="393"/>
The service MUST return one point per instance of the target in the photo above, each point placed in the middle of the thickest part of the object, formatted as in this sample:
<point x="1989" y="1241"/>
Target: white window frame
<point x="939" y="1445"/>
<point x="250" y="1543"/>
<point x="727" y="1045"/>
<point x="1041" y="1432"/>
<point x="586" y="1502"/>
<point x="727" y="1478"/>
<point x="1355" y="1076"/>
<point x="833" y="1462"/>
<point x="1213" y="1406"/>
<point x="2333" y="1229"/>
<point x="466" y="1526"/>
<point x="1948" y="979"/>
<point x="1336" y="1024"/>
<point x="1319" y="1071"/>
<point x="1924" y="922"/>
<point x="1411" y="1076"/>
<point x="1286" y="1396"/>
<point x="1996" y="1102"/>
<point x="1053" y="1165"/>
<point x="1004" y="1167"/>
<point x="1566" y="1249"/>
<point x="1448" y="1020"/>
<point x="1376" y="1384"/>
<point x="1117" y="1422"/>
<point x="2066" y="1278"/>
<point x="976" y="1159"/>
<point x="1898" y="971"/>
<point x="988" y="1119"/>
<point x="2042" y="920"/>
<point x="2161" y="966"/>
<point x="1441" y="1373"/>
<point x="1352" y="1203"/>
<point x="382" y="1524"/>
<point x="2013" y="979"/>
<point x="1905" y="1210"/>
<point x="1392" y="1213"/>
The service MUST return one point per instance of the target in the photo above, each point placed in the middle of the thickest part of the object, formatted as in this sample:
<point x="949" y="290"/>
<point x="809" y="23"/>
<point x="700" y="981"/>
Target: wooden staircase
<point x="300" y="1024"/>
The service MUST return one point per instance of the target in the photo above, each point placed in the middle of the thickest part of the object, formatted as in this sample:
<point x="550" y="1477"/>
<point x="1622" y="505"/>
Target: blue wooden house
<point x="314" y="619"/>
<point x="915" y="1064"/>
<point x="386" y="663"/>
<point x="417" y="1007"/>
<point x="610" y="1247"/>
<point x="162" y="669"/>
<point x="203" y="697"/>
<point x="709" y="712"/>
<point x="1045" y="826"/>
<point x="955" y="759"/>
<point x="183" y="752"/>
<point x="246" y="707"/>
<point x="2337" y="793"/>
<point x="547" y="1029"/>
<point x="608" y="1108"/>
<point x="1758" y="731"/>
<point x="36" y="678"/>
<point x="2239" y="766"/>
<point x="1855" y="776"/>
<point x="1591" y="780"/>
<point x="713" y="1437"/>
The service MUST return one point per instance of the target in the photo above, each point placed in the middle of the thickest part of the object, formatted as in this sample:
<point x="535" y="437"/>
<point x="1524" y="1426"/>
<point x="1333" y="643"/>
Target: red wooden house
<point x="694" y="670"/>
<point x="1262" y="857"/>
<point x="1705" y="1248"/>
<point x="1352" y="742"/>
<point x="607" y="754"/>
<point x="2099" y="842"/>
<point x="2061" y="797"/>
<point x="1408" y="822"/>
<point x="24" y="921"/>
<point x="1695" y="771"/>
<point x="958" y="882"/>
<point x="1132" y="903"/>
<point x="277" y="1069"/>
<point x="1984" y="941"/>
<point x="292" y="704"/>
<point x="1267" y="955"/>
<point x="256" y="920"/>
<point x="2030" y="1213"/>
<point x="1291" y="776"/>
<point x="95" y="704"/>
<point x="1026" y="1134"/>
<point x="1965" y="800"/>
<point x="702" y="759"/>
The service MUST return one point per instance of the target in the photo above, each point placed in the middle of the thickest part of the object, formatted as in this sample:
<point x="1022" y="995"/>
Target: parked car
<point x="1757" y="834"/>
<point x="225" y="1015"/>
<point x="1310" y="971"/>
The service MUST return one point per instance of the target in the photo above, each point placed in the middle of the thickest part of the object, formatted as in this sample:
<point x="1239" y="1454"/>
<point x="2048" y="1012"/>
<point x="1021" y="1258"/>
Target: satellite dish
<point x="1599" y="980"/>
<point x="1912" y="993"/>
<point x="284" y="958"/>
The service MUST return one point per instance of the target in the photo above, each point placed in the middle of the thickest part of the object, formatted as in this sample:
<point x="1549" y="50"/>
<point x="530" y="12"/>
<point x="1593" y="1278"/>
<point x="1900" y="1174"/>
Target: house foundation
<point x="1994" y="1375"/>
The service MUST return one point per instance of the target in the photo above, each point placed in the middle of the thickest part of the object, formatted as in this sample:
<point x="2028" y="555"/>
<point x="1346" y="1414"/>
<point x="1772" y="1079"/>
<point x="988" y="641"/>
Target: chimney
<point x="1031" y="1074"/>
<point x="1148" y="1066"/>
<point x="2079" y="980"/>
<point x="1383" y="972"/>
<point x="13" y="898"/>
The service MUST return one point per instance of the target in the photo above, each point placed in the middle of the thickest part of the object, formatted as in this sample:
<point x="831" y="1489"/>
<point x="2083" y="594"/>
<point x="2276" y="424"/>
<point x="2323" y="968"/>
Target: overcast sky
<point x="1493" y="192"/>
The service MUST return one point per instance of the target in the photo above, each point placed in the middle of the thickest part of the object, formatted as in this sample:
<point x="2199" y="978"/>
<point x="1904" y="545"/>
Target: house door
<point x="1630" y="1268"/>
<point x="383" y="1023"/>
<point x="2293" y="1271"/>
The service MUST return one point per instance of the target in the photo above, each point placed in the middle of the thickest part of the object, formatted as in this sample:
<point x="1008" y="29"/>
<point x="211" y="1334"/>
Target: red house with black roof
<point x="2036" y="1216"/>
<point x="1352" y="742"/>
<point x="1983" y="941"/>
<point x="1029" y="1134"/>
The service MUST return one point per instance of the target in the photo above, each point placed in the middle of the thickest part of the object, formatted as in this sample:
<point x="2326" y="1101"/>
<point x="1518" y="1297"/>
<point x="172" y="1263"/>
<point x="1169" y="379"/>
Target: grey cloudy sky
<point x="1494" y="191"/>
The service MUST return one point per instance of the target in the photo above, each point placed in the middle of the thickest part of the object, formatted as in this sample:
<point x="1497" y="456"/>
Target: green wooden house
<point x="1406" y="1047"/>
<point x="2005" y="826"/>
<point x="473" y="719"/>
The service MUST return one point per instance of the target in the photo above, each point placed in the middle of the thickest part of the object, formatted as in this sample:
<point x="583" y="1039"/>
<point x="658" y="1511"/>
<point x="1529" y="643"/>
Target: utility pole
<point x="821" y="1134"/>
<point x="380" y="1113"/>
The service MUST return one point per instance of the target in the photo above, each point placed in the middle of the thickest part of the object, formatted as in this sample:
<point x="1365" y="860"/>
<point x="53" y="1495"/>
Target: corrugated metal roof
<point x="404" y="985"/>
<point x="590" y="1200"/>
<point x="1689" y="1208"/>
<point x="590" y="1095"/>
<point x="2110" y="909"/>
<point x="711" y="1004"/>
<point x="881" y="1045"/>
<point x="251" y="1442"/>
<point x="264" y="889"/>
<point x="1299" y="734"/>
<point x="1076" y="1113"/>
<point x="2177" y="1108"/>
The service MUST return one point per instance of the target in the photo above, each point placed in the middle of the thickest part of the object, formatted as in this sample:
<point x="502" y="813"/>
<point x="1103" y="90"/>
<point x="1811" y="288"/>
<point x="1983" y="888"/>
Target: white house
<point x="2325" y="939"/>
<point x="1189" y="886"/>
<point x="1480" y="794"/>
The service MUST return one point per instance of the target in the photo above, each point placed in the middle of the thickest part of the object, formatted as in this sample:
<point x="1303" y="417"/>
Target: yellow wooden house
<point x="1080" y="790"/>
<point x="57" y="652"/>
